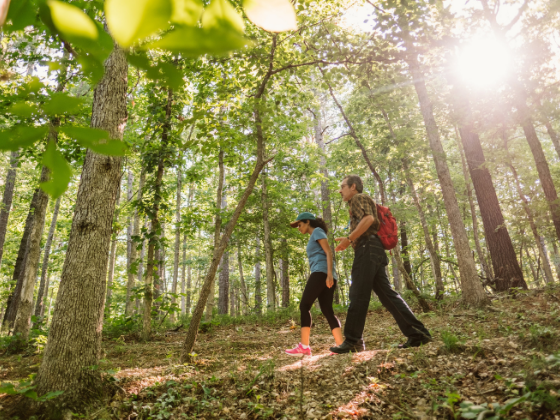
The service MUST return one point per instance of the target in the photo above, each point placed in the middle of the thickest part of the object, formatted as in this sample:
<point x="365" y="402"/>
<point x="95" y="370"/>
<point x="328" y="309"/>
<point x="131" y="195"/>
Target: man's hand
<point x="344" y="243"/>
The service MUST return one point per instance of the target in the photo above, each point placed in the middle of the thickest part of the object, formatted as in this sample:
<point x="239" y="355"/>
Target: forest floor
<point x="497" y="363"/>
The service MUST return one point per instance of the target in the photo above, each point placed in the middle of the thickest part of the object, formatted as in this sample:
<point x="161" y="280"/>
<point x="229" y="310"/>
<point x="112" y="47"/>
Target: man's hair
<point x="354" y="180"/>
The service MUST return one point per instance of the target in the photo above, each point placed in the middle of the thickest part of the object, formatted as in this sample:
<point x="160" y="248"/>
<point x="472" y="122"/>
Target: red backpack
<point x="388" y="230"/>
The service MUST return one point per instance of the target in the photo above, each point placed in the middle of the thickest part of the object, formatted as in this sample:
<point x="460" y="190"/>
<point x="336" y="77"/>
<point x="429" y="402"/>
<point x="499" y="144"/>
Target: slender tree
<point x="7" y="198"/>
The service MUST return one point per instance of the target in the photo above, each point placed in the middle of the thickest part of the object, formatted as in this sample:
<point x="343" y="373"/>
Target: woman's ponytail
<point x="319" y="223"/>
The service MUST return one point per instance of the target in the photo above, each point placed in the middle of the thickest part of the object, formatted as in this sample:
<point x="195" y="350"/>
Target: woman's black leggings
<point x="316" y="287"/>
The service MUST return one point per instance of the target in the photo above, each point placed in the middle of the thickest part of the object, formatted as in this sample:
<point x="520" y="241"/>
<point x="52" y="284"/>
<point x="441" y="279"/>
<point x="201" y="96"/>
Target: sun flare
<point x="484" y="63"/>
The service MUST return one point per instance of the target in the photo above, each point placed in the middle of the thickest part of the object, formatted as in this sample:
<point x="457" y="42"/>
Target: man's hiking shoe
<point x="415" y="342"/>
<point x="299" y="351"/>
<point x="347" y="347"/>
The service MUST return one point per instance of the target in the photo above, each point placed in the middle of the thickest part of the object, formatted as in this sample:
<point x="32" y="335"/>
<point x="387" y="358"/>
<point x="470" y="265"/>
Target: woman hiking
<point x="321" y="283"/>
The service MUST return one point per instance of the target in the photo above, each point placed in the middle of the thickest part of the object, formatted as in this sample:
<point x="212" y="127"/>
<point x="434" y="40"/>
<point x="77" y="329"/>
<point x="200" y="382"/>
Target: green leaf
<point x="22" y="13"/>
<point x="7" y="388"/>
<point x="50" y="395"/>
<point x="168" y="74"/>
<point x="271" y="15"/>
<point x="21" y="137"/>
<point x="221" y="14"/>
<point x="196" y="41"/>
<point x="72" y="23"/>
<point x="92" y="67"/>
<point x="97" y="140"/>
<point x="133" y="20"/>
<point x="62" y="103"/>
<point x="61" y="172"/>
<point x="139" y="60"/>
<point x="31" y="394"/>
<point x="187" y="12"/>
<point x="22" y="109"/>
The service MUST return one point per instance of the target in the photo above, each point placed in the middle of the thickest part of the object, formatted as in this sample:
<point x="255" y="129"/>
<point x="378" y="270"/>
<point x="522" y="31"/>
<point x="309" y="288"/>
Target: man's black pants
<point x="368" y="273"/>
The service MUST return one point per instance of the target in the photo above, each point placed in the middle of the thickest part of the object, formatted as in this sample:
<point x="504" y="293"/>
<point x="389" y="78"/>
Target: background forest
<point x="154" y="154"/>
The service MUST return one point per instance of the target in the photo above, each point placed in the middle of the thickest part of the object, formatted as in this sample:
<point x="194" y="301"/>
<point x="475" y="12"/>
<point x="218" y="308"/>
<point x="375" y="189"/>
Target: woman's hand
<point x="330" y="280"/>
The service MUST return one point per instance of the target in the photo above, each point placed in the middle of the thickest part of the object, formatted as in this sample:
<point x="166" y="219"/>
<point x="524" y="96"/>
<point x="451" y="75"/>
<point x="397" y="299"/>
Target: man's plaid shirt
<point x="360" y="206"/>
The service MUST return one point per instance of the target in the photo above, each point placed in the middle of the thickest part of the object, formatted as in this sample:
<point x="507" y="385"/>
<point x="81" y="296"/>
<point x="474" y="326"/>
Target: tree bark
<point x="404" y="248"/>
<point x="43" y="286"/>
<point x="476" y="235"/>
<point x="473" y="291"/>
<point x="74" y="342"/>
<point x="506" y="268"/>
<point x="112" y="257"/>
<point x="434" y="257"/>
<point x="7" y="199"/>
<point x="285" y="273"/>
<point x="258" y="292"/>
<point x="232" y="289"/>
<point x="223" y="278"/>
<point x="270" y="292"/>
<point x="218" y="253"/>
<point x="177" y="249"/>
<point x="396" y="275"/>
<point x="244" y="295"/>
<point x="553" y="136"/>
<point x="22" y="322"/>
<point x="185" y="291"/>
<point x="156" y="228"/>
<point x="132" y="224"/>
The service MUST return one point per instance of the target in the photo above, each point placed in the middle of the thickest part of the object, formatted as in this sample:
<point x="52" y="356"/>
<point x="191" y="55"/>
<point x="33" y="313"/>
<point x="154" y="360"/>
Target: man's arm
<point x="364" y="225"/>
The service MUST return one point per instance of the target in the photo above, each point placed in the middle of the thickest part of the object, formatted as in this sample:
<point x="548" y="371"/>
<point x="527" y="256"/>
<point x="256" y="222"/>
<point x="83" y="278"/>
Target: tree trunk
<point x="409" y="283"/>
<point x="285" y="273"/>
<point x="434" y="257"/>
<point x="232" y="301"/>
<point x="397" y="283"/>
<point x="29" y="271"/>
<point x="473" y="291"/>
<point x="133" y="222"/>
<point x="156" y="228"/>
<point x="7" y="199"/>
<point x="536" y="236"/>
<point x="137" y="240"/>
<point x="177" y="249"/>
<point x="258" y="292"/>
<point x="553" y="136"/>
<point x="476" y="235"/>
<point x="185" y="292"/>
<point x="218" y="253"/>
<point x="244" y="295"/>
<point x="404" y="248"/>
<point x="74" y="341"/>
<point x="540" y="160"/>
<point x="43" y="286"/>
<point x="506" y="268"/>
<point x="223" y="278"/>
<point x="141" y="263"/>
<point x="14" y="297"/>
<point x="270" y="292"/>
<point x="112" y="257"/>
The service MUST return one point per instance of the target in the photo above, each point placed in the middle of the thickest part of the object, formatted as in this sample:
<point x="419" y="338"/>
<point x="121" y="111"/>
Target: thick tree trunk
<point x="185" y="291"/>
<point x="177" y="248"/>
<point x="112" y="257"/>
<point x="244" y="294"/>
<point x="7" y="199"/>
<point x="258" y="291"/>
<point x="232" y="290"/>
<point x="506" y="268"/>
<point x="156" y="228"/>
<point x="397" y="283"/>
<point x="14" y="297"/>
<point x="132" y="222"/>
<point x="43" y="286"/>
<point x="409" y="283"/>
<point x="74" y="342"/>
<point x="434" y="257"/>
<point x="270" y="292"/>
<point x="473" y="291"/>
<point x="218" y="253"/>
<point x="476" y="234"/>
<point x="29" y="272"/>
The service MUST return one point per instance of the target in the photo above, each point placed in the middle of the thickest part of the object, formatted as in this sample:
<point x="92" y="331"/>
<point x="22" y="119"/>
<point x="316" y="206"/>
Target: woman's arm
<point x="325" y="245"/>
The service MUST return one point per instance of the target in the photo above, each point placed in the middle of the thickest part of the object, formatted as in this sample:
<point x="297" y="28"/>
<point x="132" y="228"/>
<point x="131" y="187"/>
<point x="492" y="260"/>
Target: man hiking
<point x="368" y="273"/>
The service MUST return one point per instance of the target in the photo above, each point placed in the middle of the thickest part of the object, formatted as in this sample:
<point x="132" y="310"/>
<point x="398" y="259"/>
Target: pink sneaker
<point x="297" y="350"/>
